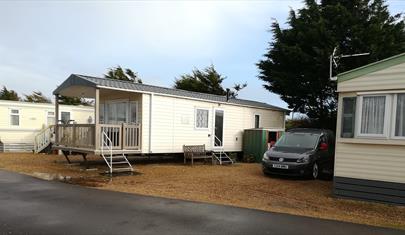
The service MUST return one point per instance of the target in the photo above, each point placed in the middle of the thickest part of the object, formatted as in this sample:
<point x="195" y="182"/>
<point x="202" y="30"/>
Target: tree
<point x="122" y="74"/>
<point x="296" y="65"/>
<point x="6" y="94"/>
<point x="206" y="81"/>
<point x="37" y="97"/>
<point x="73" y="101"/>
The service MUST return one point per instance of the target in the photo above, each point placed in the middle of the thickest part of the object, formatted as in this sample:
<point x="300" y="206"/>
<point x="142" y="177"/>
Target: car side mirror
<point x="324" y="147"/>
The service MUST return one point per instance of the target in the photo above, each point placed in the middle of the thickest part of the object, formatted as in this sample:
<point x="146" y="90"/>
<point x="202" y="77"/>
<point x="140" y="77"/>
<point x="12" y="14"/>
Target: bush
<point x="299" y="123"/>
<point x="310" y="123"/>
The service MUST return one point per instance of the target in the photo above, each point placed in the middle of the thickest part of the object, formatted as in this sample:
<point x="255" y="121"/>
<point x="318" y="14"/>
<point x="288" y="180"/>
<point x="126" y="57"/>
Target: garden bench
<point x="196" y="152"/>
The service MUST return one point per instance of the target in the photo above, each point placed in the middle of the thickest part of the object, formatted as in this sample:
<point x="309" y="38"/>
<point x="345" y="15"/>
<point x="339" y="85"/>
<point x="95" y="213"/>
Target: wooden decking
<point x="87" y="138"/>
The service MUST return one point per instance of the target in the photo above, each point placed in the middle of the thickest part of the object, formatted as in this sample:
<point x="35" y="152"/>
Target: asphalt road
<point x="33" y="206"/>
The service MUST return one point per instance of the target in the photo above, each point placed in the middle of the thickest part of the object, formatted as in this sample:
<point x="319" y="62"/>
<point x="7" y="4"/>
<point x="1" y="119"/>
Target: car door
<point x="324" y="156"/>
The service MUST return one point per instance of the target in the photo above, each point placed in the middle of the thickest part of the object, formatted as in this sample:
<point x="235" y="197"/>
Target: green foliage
<point x="296" y="65"/>
<point x="37" y="97"/>
<point x="122" y="74"/>
<point x="301" y="123"/>
<point x="73" y="101"/>
<point x="206" y="81"/>
<point x="6" y="94"/>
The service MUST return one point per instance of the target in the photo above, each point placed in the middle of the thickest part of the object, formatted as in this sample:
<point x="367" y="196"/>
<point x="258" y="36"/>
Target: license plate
<point x="280" y="166"/>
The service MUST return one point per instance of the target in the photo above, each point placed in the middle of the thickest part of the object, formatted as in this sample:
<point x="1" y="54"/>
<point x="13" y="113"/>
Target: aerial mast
<point x="332" y="61"/>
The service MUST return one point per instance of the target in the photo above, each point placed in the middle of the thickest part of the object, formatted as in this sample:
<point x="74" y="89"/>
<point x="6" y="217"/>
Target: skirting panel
<point x="371" y="190"/>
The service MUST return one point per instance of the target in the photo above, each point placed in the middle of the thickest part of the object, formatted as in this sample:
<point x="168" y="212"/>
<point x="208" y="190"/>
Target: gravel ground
<point x="241" y="185"/>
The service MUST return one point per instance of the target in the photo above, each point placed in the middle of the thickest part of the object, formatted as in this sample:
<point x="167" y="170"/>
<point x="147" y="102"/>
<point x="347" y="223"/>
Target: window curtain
<point x="373" y="112"/>
<point x="400" y="116"/>
<point x="202" y="118"/>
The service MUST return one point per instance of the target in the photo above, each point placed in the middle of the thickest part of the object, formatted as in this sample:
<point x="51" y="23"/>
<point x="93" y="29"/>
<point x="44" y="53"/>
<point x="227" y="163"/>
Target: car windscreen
<point x="298" y="140"/>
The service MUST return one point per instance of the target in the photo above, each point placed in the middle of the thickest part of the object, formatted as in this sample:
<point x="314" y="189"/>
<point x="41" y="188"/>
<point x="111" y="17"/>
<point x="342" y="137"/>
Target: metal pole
<point x="330" y="66"/>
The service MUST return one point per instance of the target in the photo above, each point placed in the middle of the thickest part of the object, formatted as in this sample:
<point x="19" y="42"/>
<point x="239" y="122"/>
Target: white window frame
<point x="393" y="118"/>
<point x="254" y="120"/>
<point x="195" y="118"/>
<point x="13" y="114"/>
<point x="48" y="116"/>
<point x="387" y="118"/>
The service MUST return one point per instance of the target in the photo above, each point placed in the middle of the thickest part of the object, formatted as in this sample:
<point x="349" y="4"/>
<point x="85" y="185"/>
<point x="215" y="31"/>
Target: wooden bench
<point x="196" y="152"/>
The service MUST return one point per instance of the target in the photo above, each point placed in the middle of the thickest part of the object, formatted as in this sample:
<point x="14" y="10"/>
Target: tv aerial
<point x="334" y="59"/>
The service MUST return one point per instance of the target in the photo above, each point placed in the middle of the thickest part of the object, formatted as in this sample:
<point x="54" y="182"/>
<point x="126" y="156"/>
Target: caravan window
<point x="65" y="117"/>
<point x="50" y="118"/>
<point x="15" y="117"/>
<point x="257" y="120"/>
<point x="376" y="116"/>
<point x="116" y="112"/>
<point x="121" y="112"/>
<point x="348" y="117"/>
<point x="133" y="107"/>
<point x="372" y="121"/>
<point x="101" y="116"/>
<point x="400" y="116"/>
<point x="201" y="118"/>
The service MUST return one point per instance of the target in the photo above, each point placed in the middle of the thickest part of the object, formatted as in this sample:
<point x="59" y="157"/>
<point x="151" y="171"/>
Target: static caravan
<point x="21" y="122"/>
<point x="370" y="147"/>
<point x="143" y="119"/>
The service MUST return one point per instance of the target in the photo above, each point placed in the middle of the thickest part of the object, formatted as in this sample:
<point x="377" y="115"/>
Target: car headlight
<point x="265" y="157"/>
<point x="303" y="159"/>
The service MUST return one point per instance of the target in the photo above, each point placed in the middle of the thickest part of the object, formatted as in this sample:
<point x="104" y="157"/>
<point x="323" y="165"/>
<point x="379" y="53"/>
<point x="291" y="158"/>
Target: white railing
<point x="131" y="136"/>
<point x="221" y="151"/>
<point x="43" y="139"/>
<point x="107" y="154"/>
<point x="114" y="133"/>
<point x="107" y="145"/>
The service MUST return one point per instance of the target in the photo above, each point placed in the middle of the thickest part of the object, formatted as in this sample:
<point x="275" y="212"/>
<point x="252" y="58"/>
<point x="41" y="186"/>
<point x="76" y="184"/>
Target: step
<point x="121" y="169"/>
<point x="115" y="157"/>
<point x="121" y="162"/>
<point x="225" y="163"/>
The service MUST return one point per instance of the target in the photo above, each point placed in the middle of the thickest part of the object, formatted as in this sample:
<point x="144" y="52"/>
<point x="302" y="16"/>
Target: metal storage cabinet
<point x="256" y="141"/>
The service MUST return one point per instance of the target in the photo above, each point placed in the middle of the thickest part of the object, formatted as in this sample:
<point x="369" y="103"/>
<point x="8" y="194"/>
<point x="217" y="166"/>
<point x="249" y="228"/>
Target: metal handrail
<point x="106" y="139"/>
<point x="221" y="151"/>
<point x="221" y="148"/>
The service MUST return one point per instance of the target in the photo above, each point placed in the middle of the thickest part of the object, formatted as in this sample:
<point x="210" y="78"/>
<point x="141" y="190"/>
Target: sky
<point x="43" y="42"/>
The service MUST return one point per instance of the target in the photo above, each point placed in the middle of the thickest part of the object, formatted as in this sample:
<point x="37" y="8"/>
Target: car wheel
<point x="315" y="171"/>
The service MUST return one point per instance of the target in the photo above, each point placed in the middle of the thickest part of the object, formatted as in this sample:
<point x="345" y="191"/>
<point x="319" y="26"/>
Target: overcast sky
<point x="42" y="43"/>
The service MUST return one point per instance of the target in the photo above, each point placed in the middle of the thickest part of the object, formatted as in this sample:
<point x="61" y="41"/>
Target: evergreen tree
<point x="206" y="81"/>
<point x="6" y="94"/>
<point x="296" y="65"/>
<point x="37" y="97"/>
<point x="73" y="101"/>
<point x="122" y="74"/>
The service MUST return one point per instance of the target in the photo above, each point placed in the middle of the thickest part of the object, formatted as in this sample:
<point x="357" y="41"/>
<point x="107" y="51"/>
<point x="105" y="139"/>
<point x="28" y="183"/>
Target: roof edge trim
<point x="372" y="67"/>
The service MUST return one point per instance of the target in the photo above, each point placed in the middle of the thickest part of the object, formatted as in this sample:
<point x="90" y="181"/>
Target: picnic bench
<point x="196" y="152"/>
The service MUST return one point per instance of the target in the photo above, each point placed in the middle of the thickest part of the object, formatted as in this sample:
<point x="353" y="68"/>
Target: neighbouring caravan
<point x="20" y="122"/>
<point x="370" y="146"/>
<point x="133" y="118"/>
